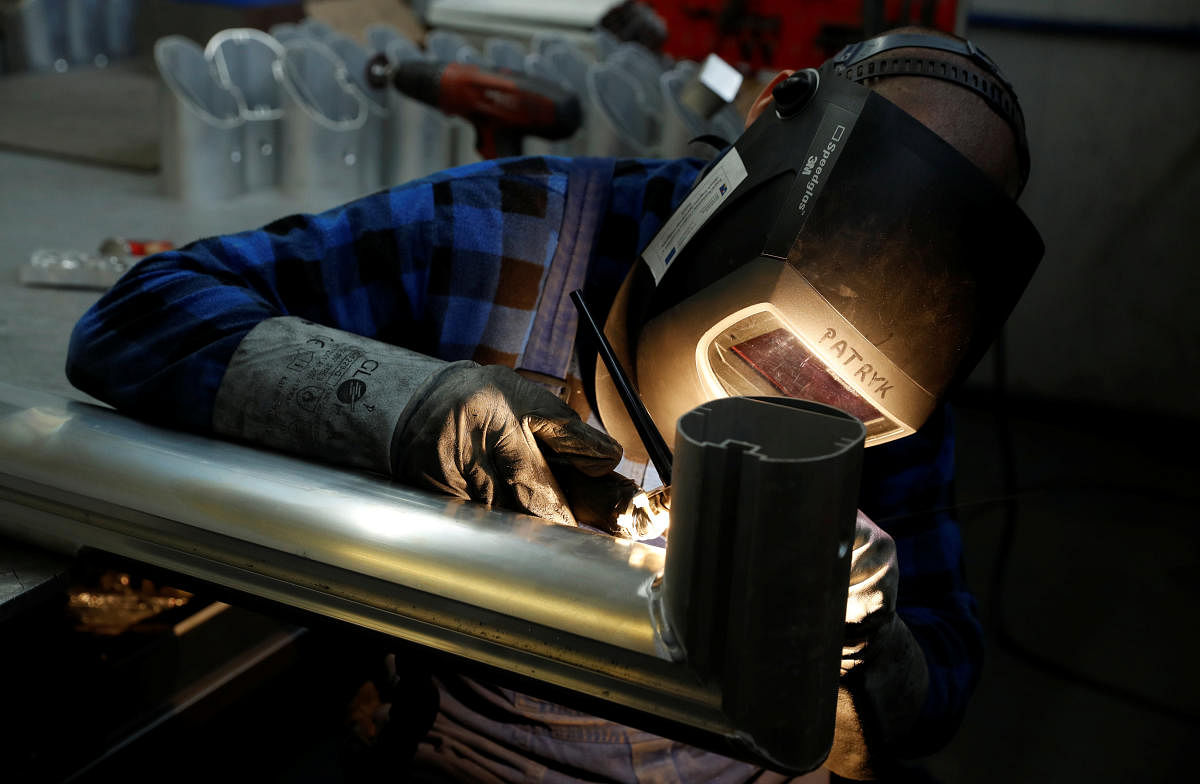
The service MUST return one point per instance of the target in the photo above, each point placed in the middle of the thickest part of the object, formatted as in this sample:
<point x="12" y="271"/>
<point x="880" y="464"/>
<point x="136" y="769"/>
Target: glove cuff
<point x="319" y="392"/>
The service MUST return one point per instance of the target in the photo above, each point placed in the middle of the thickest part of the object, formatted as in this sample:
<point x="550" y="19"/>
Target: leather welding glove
<point x="480" y="433"/>
<point x="884" y="676"/>
<point x="487" y="434"/>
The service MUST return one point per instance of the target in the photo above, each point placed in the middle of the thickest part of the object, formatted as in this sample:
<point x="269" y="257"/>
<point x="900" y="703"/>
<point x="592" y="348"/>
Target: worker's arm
<point x="481" y="433"/>
<point x="334" y="336"/>
<point x="157" y="344"/>
<point x="914" y="646"/>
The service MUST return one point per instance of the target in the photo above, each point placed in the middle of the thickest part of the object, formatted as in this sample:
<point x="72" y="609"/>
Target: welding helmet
<point x="838" y="251"/>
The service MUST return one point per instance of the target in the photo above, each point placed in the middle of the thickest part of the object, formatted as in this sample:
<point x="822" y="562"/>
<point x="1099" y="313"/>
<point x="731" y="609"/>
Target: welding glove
<point x="479" y="433"/>
<point x="487" y="434"/>
<point x="884" y="676"/>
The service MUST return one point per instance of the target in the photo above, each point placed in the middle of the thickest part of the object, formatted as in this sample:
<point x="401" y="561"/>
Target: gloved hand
<point x="479" y="433"/>
<point x="486" y="434"/>
<point x="884" y="676"/>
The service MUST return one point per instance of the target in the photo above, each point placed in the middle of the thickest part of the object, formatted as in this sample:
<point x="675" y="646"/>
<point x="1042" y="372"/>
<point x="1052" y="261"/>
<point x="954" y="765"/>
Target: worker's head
<point x="859" y="245"/>
<point x="960" y="115"/>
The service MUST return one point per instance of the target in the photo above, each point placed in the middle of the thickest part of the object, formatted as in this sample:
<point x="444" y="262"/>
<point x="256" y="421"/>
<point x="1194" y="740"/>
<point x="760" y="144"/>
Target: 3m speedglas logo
<point x="815" y="166"/>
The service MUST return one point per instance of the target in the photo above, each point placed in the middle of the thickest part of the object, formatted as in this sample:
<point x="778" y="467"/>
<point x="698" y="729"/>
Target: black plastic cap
<point x="794" y="92"/>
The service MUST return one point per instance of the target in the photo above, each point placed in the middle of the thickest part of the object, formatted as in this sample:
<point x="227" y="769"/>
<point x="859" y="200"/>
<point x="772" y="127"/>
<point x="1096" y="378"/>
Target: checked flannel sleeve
<point x="449" y="266"/>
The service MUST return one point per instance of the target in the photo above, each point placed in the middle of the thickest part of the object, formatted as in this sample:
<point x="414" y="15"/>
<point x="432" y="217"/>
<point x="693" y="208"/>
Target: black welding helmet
<point x="839" y="251"/>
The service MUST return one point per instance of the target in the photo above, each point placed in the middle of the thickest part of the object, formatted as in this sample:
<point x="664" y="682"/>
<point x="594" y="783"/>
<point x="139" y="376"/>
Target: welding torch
<point x="647" y="514"/>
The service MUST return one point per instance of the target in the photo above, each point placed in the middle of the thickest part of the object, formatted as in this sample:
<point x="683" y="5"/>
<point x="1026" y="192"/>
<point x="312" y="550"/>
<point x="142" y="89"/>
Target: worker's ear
<point x="764" y="98"/>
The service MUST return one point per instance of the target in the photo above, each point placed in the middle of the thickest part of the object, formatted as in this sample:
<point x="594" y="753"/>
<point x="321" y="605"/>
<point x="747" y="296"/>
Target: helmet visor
<point x="759" y="354"/>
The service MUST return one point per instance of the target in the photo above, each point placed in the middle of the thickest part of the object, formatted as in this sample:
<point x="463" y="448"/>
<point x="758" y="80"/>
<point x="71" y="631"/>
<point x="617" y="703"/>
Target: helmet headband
<point x="862" y="61"/>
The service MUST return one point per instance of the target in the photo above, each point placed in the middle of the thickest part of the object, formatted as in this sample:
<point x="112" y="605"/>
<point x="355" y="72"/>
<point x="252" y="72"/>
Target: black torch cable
<point x="656" y="447"/>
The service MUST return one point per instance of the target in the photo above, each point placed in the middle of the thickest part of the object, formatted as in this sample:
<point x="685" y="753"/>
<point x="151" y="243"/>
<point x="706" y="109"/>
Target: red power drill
<point x="502" y="105"/>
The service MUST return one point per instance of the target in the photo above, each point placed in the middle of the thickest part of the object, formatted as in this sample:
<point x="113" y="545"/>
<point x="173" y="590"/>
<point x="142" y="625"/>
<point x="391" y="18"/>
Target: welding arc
<point x="656" y="447"/>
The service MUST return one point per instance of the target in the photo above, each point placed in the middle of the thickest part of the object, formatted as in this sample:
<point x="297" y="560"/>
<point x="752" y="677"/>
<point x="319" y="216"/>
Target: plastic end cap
<point x="794" y="92"/>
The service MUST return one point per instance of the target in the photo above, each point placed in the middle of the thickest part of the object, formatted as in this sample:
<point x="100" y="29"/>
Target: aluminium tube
<point x="327" y="150"/>
<point x="201" y="127"/>
<point x="243" y="59"/>
<point x="375" y="150"/>
<point x="565" y="607"/>
<point x="562" y="578"/>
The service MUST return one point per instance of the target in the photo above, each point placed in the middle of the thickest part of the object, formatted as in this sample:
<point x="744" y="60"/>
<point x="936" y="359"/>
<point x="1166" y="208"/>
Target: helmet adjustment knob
<point x="794" y="92"/>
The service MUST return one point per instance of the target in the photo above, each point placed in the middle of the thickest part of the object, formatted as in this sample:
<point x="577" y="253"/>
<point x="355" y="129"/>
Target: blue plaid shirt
<point x="453" y="266"/>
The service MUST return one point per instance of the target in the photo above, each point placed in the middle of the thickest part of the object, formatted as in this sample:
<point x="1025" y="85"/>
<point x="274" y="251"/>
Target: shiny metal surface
<point x="326" y="144"/>
<point x="242" y="59"/>
<point x="354" y="58"/>
<point x="557" y="605"/>
<point x="567" y="579"/>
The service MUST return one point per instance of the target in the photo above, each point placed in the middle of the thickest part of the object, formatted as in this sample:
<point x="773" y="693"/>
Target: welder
<point x="426" y="333"/>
